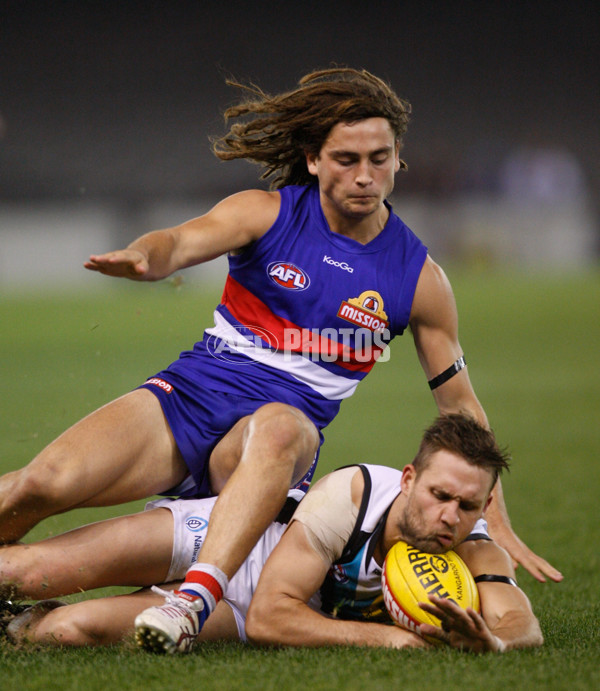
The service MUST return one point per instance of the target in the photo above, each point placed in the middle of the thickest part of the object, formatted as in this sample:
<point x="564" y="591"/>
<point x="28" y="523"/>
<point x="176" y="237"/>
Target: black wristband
<point x="448" y="374"/>
<point x="491" y="578"/>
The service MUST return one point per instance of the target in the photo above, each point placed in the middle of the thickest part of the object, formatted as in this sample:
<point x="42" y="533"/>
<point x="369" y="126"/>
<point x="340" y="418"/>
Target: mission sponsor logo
<point x="288" y="276"/>
<point x="161" y="383"/>
<point x="365" y="311"/>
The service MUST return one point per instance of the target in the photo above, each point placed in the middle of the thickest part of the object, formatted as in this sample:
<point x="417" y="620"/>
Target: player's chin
<point x="359" y="207"/>
<point x="434" y="544"/>
<point x="428" y="546"/>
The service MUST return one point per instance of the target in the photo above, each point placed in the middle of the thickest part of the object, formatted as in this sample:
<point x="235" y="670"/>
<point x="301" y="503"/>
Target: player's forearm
<point x="301" y="626"/>
<point x="159" y="249"/>
<point x="457" y="396"/>
<point x="496" y="513"/>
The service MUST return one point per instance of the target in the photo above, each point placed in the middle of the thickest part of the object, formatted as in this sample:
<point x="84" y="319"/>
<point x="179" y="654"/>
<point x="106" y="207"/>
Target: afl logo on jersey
<point x="288" y="276"/>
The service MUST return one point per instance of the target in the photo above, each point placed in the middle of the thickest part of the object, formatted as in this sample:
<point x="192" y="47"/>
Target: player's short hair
<point x="283" y="128"/>
<point x="464" y="436"/>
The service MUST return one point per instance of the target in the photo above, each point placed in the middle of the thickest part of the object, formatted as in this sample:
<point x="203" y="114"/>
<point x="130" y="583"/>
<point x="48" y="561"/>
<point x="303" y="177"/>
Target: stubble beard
<point x="413" y="533"/>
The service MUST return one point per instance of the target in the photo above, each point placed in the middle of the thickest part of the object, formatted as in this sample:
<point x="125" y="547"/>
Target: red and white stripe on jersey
<point x="329" y="385"/>
<point x="250" y="311"/>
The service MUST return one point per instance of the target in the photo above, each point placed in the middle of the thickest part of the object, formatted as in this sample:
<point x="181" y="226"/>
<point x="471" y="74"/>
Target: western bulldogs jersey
<point x="306" y="312"/>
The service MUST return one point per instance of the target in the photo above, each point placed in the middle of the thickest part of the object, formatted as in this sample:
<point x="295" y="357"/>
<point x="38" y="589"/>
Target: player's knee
<point x="45" y="481"/>
<point x="13" y="572"/>
<point x="23" y="574"/>
<point x="286" y="428"/>
<point x="258" y="630"/>
<point x="65" y="626"/>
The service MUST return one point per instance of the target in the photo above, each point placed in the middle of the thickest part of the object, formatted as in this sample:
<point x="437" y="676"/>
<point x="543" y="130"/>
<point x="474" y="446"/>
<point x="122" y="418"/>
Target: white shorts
<point x="190" y="519"/>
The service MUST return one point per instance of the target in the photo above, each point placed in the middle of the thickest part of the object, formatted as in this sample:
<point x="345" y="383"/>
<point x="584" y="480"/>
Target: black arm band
<point x="448" y="374"/>
<point x="490" y="578"/>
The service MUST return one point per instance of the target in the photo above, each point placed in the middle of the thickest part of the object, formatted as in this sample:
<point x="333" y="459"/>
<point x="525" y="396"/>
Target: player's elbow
<point x="532" y="636"/>
<point x="526" y="633"/>
<point x="536" y="637"/>
<point x="261" y="628"/>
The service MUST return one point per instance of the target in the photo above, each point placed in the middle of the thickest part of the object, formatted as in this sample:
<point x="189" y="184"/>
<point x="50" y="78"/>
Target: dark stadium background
<point x="118" y="98"/>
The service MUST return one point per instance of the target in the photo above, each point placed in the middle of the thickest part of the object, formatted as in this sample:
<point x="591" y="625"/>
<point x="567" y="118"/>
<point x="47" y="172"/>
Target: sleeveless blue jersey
<point x="306" y="312"/>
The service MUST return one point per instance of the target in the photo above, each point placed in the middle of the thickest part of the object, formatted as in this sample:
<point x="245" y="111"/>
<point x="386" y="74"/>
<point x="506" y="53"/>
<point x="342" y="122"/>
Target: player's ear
<point x="409" y="474"/>
<point x="397" y="148"/>
<point x="311" y="162"/>
<point x="487" y="503"/>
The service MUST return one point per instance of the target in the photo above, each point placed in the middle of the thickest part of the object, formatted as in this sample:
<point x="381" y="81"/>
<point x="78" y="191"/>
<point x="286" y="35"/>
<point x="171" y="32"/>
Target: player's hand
<point x="398" y="637"/>
<point x="461" y="629"/>
<point x="121" y="264"/>
<point x="538" y="567"/>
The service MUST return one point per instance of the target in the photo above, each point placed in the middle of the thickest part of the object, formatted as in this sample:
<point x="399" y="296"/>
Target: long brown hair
<point x="283" y="128"/>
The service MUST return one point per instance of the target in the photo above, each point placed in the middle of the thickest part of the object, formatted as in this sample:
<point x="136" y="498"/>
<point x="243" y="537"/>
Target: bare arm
<point x="434" y="324"/>
<point x="279" y="613"/>
<point x="230" y="225"/>
<point x="506" y="621"/>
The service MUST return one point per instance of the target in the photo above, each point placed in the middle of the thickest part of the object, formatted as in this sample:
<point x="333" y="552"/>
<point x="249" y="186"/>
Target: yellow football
<point x="410" y="576"/>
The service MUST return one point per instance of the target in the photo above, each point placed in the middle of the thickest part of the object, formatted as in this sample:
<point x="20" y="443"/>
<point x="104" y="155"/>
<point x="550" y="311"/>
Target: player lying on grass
<point x="322" y="583"/>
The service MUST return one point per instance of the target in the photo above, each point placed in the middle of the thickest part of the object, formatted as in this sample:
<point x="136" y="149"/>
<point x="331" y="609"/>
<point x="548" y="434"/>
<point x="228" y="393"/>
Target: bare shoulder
<point x="432" y="293"/>
<point x="254" y="198"/>
<point x="433" y="279"/>
<point x="347" y="479"/>
<point x="358" y="487"/>
<point x="333" y="498"/>
<point x="329" y="512"/>
<point x="254" y="210"/>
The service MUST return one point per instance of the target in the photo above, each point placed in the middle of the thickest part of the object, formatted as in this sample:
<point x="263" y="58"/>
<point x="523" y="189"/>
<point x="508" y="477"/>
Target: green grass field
<point x="533" y="346"/>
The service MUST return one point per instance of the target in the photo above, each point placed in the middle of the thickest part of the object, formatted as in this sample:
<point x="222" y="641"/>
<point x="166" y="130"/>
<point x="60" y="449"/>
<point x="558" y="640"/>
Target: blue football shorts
<point x="198" y="423"/>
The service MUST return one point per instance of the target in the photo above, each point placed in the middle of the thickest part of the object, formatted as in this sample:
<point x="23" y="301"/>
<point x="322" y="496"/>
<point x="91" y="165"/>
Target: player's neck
<point x="363" y="230"/>
<point x="392" y="530"/>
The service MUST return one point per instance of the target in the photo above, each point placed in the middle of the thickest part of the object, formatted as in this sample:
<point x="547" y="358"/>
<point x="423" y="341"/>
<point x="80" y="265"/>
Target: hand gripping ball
<point x="410" y="576"/>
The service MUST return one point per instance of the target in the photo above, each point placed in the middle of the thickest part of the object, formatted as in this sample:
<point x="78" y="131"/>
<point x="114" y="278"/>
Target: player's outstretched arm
<point x="279" y="613"/>
<point x="128" y="263"/>
<point x="230" y="225"/>
<point x="434" y="325"/>
<point x="501" y="531"/>
<point x="506" y="621"/>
